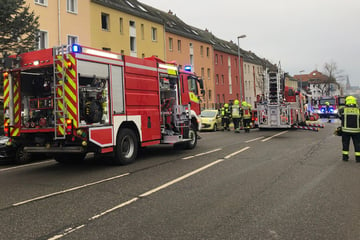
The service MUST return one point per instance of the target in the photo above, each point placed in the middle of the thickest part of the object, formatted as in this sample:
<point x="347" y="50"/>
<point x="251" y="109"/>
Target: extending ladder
<point x="60" y="110"/>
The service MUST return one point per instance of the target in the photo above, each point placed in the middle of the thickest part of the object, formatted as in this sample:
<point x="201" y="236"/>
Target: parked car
<point x="7" y="153"/>
<point x="210" y="120"/>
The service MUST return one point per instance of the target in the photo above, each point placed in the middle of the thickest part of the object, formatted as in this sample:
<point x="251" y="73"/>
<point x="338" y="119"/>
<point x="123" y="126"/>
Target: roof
<point x="132" y="7"/>
<point x="314" y="77"/>
<point x="174" y="24"/>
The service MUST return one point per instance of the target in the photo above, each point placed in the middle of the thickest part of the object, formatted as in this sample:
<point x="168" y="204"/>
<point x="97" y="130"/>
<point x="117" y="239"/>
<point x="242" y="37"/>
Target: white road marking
<point x="237" y="152"/>
<point x="70" y="189"/>
<point x="25" y="165"/>
<point x="154" y="190"/>
<point x="255" y="139"/>
<point x="180" y="178"/>
<point x="66" y="232"/>
<point x="200" y="154"/>
<point x="278" y="134"/>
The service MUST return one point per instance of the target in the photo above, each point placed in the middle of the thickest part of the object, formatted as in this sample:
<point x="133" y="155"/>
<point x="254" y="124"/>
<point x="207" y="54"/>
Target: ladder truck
<point x="281" y="106"/>
<point x="68" y="101"/>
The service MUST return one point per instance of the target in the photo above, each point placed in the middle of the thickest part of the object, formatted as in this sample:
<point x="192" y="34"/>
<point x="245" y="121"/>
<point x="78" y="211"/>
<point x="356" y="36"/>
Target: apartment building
<point x="119" y="26"/>
<point x="62" y="21"/>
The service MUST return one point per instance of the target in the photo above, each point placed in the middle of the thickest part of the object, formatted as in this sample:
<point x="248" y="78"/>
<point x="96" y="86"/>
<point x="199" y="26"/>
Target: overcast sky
<point x="300" y="34"/>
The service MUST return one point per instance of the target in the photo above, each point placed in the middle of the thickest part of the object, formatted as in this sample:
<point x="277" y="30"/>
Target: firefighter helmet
<point x="244" y="104"/>
<point x="350" y="100"/>
<point x="236" y="102"/>
<point x="226" y="105"/>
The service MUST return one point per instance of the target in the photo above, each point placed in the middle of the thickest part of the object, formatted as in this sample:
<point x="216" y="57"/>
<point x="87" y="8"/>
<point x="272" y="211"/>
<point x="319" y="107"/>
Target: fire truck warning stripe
<point x="70" y="93"/>
<point x="71" y="82"/>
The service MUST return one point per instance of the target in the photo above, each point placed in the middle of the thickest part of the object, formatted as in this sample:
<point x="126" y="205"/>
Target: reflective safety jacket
<point x="246" y="112"/>
<point x="225" y="112"/>
<point x="350" y="119"/>
<point x="235" y="111"/>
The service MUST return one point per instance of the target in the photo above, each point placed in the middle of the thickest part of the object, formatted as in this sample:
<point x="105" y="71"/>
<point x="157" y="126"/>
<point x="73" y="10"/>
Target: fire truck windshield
<point x="331" y="101"/>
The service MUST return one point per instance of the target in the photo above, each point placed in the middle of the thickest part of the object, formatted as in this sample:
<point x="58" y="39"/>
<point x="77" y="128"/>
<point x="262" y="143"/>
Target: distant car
<point x="210" y="120"/>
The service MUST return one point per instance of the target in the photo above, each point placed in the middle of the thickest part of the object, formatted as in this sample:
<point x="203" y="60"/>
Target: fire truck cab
<point x="71" y="100"/>
<point x="330" y="110"/>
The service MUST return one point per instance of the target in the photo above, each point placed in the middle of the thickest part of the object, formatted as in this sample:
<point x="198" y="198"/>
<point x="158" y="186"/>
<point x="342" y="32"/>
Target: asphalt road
<point x="275" y="184"/>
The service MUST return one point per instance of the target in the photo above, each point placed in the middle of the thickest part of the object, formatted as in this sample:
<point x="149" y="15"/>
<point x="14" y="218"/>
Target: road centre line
<point x="237" y="152"/>
<point x="278" y="134"/>
<point x="255" y="139"/>
<point x="145" y="194"/>
<point x="25" y="165"/>
<point x="70" y="189"/>
<point x="200" y="154"/>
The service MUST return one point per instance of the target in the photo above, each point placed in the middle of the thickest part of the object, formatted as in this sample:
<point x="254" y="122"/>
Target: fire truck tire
<point x="193" y="136"/>
<point x="21" y="156"/>
<point x="69" y="157"/>
<point x="126" y="147"/>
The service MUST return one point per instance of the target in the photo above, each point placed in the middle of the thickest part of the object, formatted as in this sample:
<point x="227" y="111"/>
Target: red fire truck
<point x="71" y="100"/>
<point x="281" y="106"/>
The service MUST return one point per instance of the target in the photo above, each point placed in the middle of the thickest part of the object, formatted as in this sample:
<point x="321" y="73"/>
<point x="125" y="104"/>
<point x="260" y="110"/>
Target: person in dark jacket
<point x="350" y="127"/>
<point x="225" y="117"/>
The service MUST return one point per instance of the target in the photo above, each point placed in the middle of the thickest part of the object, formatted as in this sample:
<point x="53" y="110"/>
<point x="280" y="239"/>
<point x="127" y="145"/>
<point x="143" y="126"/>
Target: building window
<point x="179" y="45"/>
<point x="191" y="60"/>
<point x="71" y="6"/>
<point x="209" y="94"/>
<point x="201" y="51"/>
<point x="207" y="52"/>
<point x="132" y="44"/>
<point x="142" y="31"/>
<point x="208" y="73"/>
<point x="222" y="80"/>
<point x="105" y="21"/>
<point x="170" y="44"/>
<point x="202" y="72"/>
<point x="43" y="40"/>
<point x="216" y="59"/>
<point x="221" y="59"/>
<point x="153" y="34"/>
<point x="217" y="79"/>
<point x="121" y="25"/>
<point x="72" y="39"/>
<point x="41" y="2"/>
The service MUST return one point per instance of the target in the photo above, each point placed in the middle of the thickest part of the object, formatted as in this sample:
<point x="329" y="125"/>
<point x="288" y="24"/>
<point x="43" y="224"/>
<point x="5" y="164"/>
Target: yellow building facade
<point x="98" y="26"/>
<point x="117" y="31"/>
<point x="62" y="21"/>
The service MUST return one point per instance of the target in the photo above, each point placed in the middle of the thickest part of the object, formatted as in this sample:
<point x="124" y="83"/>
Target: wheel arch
<point x="129" y="125"/>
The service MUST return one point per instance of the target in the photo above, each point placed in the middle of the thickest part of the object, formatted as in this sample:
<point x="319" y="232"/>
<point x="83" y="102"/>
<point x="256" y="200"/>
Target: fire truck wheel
<point x="69" y="158"/>
<point x="21" y="156"/>
<point x="193" y="136"/>
<point x="126" y="147"/>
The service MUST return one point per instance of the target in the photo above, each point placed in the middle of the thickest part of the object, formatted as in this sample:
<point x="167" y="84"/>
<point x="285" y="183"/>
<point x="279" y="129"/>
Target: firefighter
<point x="327" y="109"/>
<point x="225" y="117"/>
<point x="350" y="128"/>
<point x="246" y="115"/>
<point x="236" y="115"/>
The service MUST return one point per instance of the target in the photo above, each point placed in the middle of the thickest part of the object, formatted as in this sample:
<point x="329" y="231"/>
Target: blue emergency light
<point x="76" y="48"/>
<point x="187" y="68"/>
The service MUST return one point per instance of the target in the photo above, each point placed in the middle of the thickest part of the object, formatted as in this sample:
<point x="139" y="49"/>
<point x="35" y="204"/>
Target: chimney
<point x="170" y="12"/>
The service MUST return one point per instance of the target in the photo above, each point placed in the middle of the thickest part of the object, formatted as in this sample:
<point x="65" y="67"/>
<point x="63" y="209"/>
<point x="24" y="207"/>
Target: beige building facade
<point x="62" y="21"/>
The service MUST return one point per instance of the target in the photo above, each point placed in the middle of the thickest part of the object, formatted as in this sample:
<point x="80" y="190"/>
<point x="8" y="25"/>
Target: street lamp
<point x="239" y="57"/>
